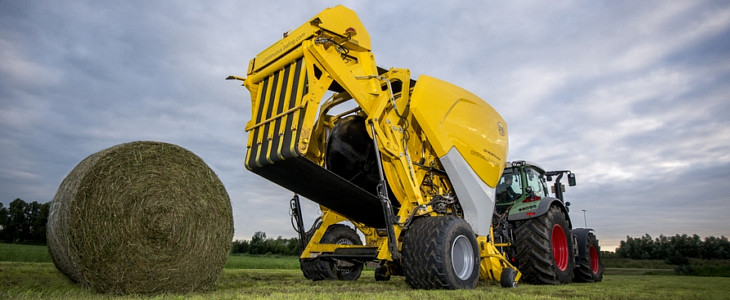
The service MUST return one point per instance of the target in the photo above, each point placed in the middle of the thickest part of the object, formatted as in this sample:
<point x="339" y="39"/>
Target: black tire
<point x="382" y="273"/>
<point x="508" y="278"/>
<point x="316" y="269"/>
<point x="589" y="267"/>
<point x="323" y="269"/>
<point x="343" y="235"/>
<point x="544" y="248"/>
<point x="440" y="253"/>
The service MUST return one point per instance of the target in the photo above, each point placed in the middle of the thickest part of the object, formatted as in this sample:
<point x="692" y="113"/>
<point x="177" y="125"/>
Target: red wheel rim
<point x="560" y="247"/>
<point x="594" y="260"/>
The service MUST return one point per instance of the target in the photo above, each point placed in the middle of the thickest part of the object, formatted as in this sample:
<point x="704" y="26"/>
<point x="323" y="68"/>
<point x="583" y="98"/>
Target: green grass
<point x="709" y="267"/>
<point x="27" y="273"/>
<point x="635" y="263"/>
<point x="43" y="281"/>
<point x="238" y="261"/>
<point x="697" y="267"/>
<point x="24" y="253"/>
<point x="33" y="253"/>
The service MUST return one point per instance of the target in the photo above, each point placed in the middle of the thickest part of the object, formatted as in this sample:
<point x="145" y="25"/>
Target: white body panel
<point x="476" y="197"/>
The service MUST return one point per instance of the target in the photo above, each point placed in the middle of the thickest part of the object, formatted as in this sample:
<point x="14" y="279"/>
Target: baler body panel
<point x="455" y="118"/>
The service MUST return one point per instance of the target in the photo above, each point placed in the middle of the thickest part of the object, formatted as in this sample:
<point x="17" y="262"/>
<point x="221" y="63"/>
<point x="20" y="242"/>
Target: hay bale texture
<point x="141" y="217"/>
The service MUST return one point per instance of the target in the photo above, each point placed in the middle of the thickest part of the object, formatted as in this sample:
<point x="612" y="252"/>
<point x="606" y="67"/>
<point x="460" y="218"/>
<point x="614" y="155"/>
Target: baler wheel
<point x="441" y="253"/>
<point x="315" y="269"/>
<point x="322" y="269"/>
<point x="343" y="235"/>
<point x="508" y="278"/>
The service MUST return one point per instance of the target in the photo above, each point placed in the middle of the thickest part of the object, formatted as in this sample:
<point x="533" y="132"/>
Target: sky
<point x="633" y="97"/>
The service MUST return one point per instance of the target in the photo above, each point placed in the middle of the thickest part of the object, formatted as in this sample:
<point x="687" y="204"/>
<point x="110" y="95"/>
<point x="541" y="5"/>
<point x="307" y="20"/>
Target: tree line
<point x="260" y="244"/>
<point x="23" y="222"/>
<point x="675" y="250"/>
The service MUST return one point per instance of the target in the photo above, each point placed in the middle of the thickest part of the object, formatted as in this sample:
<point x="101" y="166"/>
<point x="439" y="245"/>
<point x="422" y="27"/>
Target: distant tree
<point x="21" y="222"/>
<point x="661" y="248"/>
<point x="687" y="246"/>
<point x="636" y="248"/>
<point x="3" y="217"/>
<point x="240" y="246"/>
<point x="286" y="246"/>
<point x="292" y="246"/>
<point x="260" y="244"/>
<point x="714" y="247"/>
<point x="16" y="228"/>
<point x="674" y="250"/>
<point x="37" y="217"/>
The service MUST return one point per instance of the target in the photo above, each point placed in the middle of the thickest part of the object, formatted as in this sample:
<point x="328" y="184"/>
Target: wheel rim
<point x="462" y="257"/>
<point x="344" y="242"/>
<point x="594" y="260"/>
<point x="560" y="247"/>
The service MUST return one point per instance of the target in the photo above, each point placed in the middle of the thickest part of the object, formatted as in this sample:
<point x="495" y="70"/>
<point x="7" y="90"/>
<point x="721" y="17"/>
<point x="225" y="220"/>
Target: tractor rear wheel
<point x="440" y="253"/>
<point x="322" y="269"/>
<point x="544" y="248"/>
<point x="589" y="267"/>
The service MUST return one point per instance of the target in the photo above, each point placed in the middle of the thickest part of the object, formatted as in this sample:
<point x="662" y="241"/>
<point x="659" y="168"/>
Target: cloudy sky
<point x="633" y="97"/>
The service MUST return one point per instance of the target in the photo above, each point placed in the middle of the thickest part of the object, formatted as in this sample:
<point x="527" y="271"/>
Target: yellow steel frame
<point x="335" y="48"/>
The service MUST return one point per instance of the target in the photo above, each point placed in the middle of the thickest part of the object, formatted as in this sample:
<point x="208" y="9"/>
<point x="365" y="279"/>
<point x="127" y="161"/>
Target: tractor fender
<point x="582" y="233"/>
<point x="542" y="209"/>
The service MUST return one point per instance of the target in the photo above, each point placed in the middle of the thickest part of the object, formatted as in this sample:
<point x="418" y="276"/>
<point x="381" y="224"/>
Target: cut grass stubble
<point x="42" y="280"/>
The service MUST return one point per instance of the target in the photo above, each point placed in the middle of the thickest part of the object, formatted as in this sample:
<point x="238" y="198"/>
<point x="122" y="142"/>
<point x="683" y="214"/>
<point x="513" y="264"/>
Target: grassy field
<point x="262" y="262"/>
<point x="269" y="277"/>
<point x="24" y="253"/>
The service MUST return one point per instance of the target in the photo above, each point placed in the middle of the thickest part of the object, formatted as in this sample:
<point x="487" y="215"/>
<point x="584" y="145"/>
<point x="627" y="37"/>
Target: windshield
<point x="509" y="188"/>
<point x="536" y="184"/>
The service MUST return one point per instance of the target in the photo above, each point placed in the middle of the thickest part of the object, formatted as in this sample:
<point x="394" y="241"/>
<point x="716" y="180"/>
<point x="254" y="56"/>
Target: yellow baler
<point x="411" y="164"/>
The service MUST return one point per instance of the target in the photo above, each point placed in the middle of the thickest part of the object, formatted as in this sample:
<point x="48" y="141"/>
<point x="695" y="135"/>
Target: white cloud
<point x="630" y="96"/>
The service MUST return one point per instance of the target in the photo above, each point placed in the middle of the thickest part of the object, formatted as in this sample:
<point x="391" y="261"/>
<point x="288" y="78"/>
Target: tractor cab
<point x="522" y="185"/>
<point x="535" y="221"/>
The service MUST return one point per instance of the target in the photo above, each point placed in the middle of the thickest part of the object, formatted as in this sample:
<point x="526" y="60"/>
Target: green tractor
<point x="544" y="245"/>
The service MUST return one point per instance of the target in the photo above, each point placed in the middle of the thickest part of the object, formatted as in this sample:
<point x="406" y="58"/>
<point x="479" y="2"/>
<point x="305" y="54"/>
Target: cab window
<point x="509" y="188"/>
<point x="535" y="183"/>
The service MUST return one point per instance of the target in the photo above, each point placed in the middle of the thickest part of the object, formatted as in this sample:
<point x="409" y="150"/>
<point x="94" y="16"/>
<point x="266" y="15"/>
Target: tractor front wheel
<point x="544" y="248"/>
<point x="441" y="253"/>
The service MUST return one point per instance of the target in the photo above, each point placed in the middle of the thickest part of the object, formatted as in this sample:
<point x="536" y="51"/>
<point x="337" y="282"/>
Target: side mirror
<point x="549" y="178"/>
<point x="571" y="179"/>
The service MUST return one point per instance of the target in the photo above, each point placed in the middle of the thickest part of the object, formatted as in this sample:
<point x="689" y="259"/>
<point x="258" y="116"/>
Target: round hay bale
<point x="141" y="217"/>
